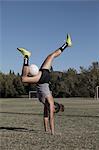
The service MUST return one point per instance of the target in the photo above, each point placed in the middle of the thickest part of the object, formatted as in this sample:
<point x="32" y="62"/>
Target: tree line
<point x="68" y="83"/>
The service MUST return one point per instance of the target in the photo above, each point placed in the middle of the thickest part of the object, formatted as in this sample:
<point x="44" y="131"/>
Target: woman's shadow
<point x="19" y="129"/>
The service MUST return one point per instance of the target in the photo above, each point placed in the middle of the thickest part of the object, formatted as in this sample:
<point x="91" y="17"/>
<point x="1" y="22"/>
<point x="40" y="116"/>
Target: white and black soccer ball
<point x="34" y="70"/>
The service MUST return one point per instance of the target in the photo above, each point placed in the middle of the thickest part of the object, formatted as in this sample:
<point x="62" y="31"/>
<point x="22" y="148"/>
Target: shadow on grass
<point x="40" y="114"/>
<point x="21" y="113"/>
<point x="83" y="116"/>
<point x="17" y="129"/>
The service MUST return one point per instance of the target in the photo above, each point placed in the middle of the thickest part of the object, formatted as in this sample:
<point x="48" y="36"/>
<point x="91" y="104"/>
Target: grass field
<point x="21" y="125"/>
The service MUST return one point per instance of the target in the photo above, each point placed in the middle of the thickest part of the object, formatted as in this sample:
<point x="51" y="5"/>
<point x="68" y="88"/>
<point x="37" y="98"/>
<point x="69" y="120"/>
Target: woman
<point x="42" y="79"/>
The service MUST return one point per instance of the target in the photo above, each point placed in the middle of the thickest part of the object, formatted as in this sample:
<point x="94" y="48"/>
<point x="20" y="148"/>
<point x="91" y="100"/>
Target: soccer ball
<point x="34" y="70"/>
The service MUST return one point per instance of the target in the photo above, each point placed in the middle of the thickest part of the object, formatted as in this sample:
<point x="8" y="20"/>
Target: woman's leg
<point x="48" y="61"/>
<point x="26" y="54"/>
<point x="25" y="69"/>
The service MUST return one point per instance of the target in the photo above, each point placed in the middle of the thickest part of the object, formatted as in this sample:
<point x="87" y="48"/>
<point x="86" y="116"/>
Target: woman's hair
<point x="61" y="107"/>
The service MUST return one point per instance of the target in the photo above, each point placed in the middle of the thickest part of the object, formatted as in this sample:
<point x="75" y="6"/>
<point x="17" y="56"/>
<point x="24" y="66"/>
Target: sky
<point x="41" y="27"/>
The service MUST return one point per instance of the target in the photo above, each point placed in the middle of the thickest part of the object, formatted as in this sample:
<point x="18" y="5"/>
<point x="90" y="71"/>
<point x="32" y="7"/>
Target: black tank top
<point x="45" y="77"/>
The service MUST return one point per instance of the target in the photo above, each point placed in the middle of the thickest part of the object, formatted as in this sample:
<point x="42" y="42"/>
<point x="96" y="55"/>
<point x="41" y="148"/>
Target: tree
<point x="63" y="84"/>
<point x="2" y="84"/>
<point x="9" y="90"/>
<point x="18" y="85"/>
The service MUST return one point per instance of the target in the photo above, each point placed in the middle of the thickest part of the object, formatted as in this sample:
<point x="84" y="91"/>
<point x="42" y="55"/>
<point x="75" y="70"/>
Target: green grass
<point x="21" y="125"/>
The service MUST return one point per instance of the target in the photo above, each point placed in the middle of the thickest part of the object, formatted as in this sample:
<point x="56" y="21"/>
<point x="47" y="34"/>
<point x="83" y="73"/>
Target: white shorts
<point x="43" y="91"/>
